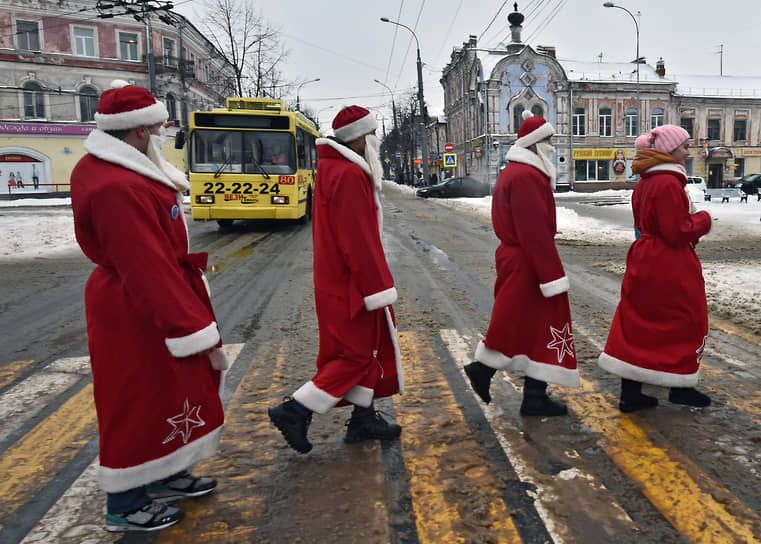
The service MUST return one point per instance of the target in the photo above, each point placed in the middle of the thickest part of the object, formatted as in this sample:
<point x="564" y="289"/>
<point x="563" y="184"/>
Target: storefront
<point x="598" y="168"/>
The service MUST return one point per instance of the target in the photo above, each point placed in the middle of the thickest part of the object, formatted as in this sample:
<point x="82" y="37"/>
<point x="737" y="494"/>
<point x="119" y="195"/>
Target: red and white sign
<point x="448" y="147"/>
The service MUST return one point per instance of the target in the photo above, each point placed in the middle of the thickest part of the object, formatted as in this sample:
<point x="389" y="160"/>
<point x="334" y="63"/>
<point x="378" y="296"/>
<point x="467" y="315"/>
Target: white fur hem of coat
<point x="360" y="396"/>
<point x="194" y="343"/>
<point x="646" y="375"/>
<point x="315" y="398"/>
<point x="555" y="287"/>
<point x="539" y="371"/>
<point x="380" y="299"/>
<point x="116" y="480"/>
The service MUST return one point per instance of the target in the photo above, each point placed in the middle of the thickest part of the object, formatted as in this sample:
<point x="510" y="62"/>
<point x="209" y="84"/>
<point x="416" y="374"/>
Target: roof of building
<point x="721" y="86"/>
<point x="611" y="72"/>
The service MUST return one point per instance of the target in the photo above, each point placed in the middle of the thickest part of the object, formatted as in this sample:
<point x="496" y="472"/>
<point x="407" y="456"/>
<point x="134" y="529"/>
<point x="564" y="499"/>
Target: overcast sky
<point x="345" y="44"/>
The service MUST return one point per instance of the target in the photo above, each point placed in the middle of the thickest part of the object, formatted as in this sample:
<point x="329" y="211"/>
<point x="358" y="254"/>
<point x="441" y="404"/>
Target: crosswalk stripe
<point x="35" y="459"/>
<point x="673" y="484"/>
<point x="12" y="370"/>
<point x="65" y="521"/>
<point x="430" y="407"/>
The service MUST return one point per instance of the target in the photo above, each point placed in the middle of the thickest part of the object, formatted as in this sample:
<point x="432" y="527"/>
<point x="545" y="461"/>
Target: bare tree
<point x="249" y="44"/>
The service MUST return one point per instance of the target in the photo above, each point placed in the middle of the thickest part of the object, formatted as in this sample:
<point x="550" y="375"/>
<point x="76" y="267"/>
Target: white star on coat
<point x="562" y="341"/>
<point x="702" y="347"/>
<point x="184" y="423"/>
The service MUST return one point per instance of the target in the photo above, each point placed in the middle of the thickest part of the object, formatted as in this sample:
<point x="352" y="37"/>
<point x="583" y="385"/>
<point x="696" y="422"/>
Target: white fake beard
<point x="372" y="156"/>
<point x="154" y="152"/>
<point x="544" y="152"/>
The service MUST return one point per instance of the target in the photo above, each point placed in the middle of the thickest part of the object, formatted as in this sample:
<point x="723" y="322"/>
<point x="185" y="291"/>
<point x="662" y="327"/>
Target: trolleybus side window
<point x="300" y="148"/>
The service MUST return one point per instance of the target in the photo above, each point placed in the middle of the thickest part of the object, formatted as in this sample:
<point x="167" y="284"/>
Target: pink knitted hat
<point x="666" y="138"/>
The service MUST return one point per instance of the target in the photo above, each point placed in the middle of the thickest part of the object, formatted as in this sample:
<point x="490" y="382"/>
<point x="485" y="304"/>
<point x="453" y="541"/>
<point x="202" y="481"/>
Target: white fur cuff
<point x="555" y="287"/>
<point x="380" y="299"/>
<point x="194" y="343"/>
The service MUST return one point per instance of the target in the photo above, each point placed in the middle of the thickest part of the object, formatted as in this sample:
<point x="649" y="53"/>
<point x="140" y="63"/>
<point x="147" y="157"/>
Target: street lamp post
<point x="421" y="100"/>
<point x="298" y="90"/>
<point x="393" y="104"/>
<point x="636" y="26"/>
<point x="326" y="108"/>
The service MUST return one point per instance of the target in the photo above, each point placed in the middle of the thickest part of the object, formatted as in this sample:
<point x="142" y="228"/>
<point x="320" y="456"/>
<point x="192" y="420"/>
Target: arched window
<point x="631" y="122"/>
<point x="171" y="106"/>
<point x="34" y="101"/>
<point x="606" y="122"/>
<point x="656" y="118"/>
<point x="517" y="117"/>
<point x="88" y="103"/>
<point x="536" y="109"/>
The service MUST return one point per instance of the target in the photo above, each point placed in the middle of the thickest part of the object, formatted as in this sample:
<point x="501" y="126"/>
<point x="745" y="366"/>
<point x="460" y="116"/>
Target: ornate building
<point x="593" y="107"/>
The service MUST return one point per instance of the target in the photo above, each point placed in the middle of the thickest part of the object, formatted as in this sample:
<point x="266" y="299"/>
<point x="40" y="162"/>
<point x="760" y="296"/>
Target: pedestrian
<point x="359" y="358"/>
<point x="155" y="347"/>
<point x="660" y="327"/>
<point x="19" y="181"/>
<point x="530" y="328"/>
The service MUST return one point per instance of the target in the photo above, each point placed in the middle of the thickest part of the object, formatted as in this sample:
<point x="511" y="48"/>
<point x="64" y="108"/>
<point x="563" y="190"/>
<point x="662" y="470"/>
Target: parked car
<point x="750" y="184"/>
<point x="696" y="182"/>
<point x="456" y="187"/>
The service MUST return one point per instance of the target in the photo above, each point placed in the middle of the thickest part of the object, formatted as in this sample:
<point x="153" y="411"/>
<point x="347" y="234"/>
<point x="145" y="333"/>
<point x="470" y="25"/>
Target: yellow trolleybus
<point x="255" y="159"/>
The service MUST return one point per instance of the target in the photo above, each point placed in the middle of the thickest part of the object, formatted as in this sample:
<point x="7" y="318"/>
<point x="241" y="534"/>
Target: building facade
<point x="59" y="56"/>
<point x="594" y="108"/>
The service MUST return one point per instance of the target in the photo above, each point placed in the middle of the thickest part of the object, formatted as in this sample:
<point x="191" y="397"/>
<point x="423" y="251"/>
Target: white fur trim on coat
<point x="526" y="156"/>
<point x="315" y="398"/>
<point x="380" y="299"/>
<point x="147" y="116"/>
<point x="539" y="371"/>
<point x="219" y="360"/>
<point x="116" y="480"/>
<point x="360" y="396"/>
<point x="110" y="149"/>
<point x="668" y="167"/>
<point x="646" y="375"/>
<point x="360" y="127"/>
<point x="196" y="342"/>
<point x="555" y="287"/>
<point x="542" y="132"/>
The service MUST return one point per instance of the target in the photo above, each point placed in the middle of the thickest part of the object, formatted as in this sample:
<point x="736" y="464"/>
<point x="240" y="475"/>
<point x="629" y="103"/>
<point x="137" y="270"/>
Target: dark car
<point x="456" y="187"/>
<point x="749" y="184"/>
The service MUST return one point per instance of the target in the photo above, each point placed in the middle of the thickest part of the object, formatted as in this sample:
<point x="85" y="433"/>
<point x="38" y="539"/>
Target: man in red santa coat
<point x="530" y="327"/>
<point x="155" y="348"/>
<point x="359" y="357"/>
<point x="660" y="327"/>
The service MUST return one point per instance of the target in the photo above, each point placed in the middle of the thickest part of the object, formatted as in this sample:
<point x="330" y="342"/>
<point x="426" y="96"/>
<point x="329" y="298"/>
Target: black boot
<point x="292" y="419"/>
<point x="632" y="398"/>
<point x="689" y="396"/>
<point x="537" y="403"/>
<point x="367" y="424"/>
<point x="480" y="377"/>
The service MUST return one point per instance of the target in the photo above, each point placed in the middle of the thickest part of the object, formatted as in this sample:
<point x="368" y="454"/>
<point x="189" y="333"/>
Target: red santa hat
<point x="533" y="129"/>
<point x="353" y="122"/>
<point x="126" y="106"/>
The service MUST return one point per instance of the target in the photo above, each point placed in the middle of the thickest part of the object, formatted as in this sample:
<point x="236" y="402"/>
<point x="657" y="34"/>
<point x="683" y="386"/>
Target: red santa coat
<point x="530" y="328"/>
<point x="359" y="356"/>
<point x="661" y="323"/>
<point x="152" y="333"/>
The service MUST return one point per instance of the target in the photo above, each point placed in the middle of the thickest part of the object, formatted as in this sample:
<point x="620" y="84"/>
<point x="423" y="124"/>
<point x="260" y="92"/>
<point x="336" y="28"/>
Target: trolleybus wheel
<point x="225" y="223"/>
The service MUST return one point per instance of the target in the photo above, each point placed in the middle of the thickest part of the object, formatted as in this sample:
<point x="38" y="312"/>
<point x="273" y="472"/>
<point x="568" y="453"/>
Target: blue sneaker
<point x="182" y="485"/>
<point x="154" y="516"/>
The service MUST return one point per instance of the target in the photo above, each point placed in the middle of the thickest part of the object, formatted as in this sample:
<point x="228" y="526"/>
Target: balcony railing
<point x="175" y="63"/>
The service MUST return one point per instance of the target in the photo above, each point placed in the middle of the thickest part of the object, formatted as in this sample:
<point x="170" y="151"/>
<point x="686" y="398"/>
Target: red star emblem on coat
<point x="562" y="341"/>
<point x="184" y="423"/>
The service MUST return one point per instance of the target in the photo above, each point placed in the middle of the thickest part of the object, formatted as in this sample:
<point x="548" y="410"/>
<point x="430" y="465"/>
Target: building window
<point x="34" y="101"/>
<point x="517" y="117"/>
<point x="631" y="122"/>
<point x="606" y="122"/>
<point x="656" y="118"/>
<point x="536" y="109"/>
<point x="689" y="165"/>
<point x="128" y="46"/>
<point x="84" y="42"/>
<point x="740" y="132"/>
<point x="170" y="57"/>
<point x="688" y="124"/>
<point x="28" y="35"/>
<point x="171" y="106"/>
<point x="579" y="123"/>
<point x="739" y="168"/>
<point x="714" y="129"/>
<point x="88" y="103"/>
<point x="592" y="170"/>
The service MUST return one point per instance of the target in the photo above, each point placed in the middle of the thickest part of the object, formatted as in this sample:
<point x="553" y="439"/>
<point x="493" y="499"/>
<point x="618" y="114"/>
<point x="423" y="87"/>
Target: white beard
<point x="372" y="156"/>
<point x="544" y="152"/>
<point x="154" y="153"/>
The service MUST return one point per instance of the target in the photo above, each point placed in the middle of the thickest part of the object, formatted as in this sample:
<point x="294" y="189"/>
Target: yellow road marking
<point x="34" y="460"/>
<point x="11" y="371"/>
<point x="453" y="492"/>
<point x="697" y="506"/>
